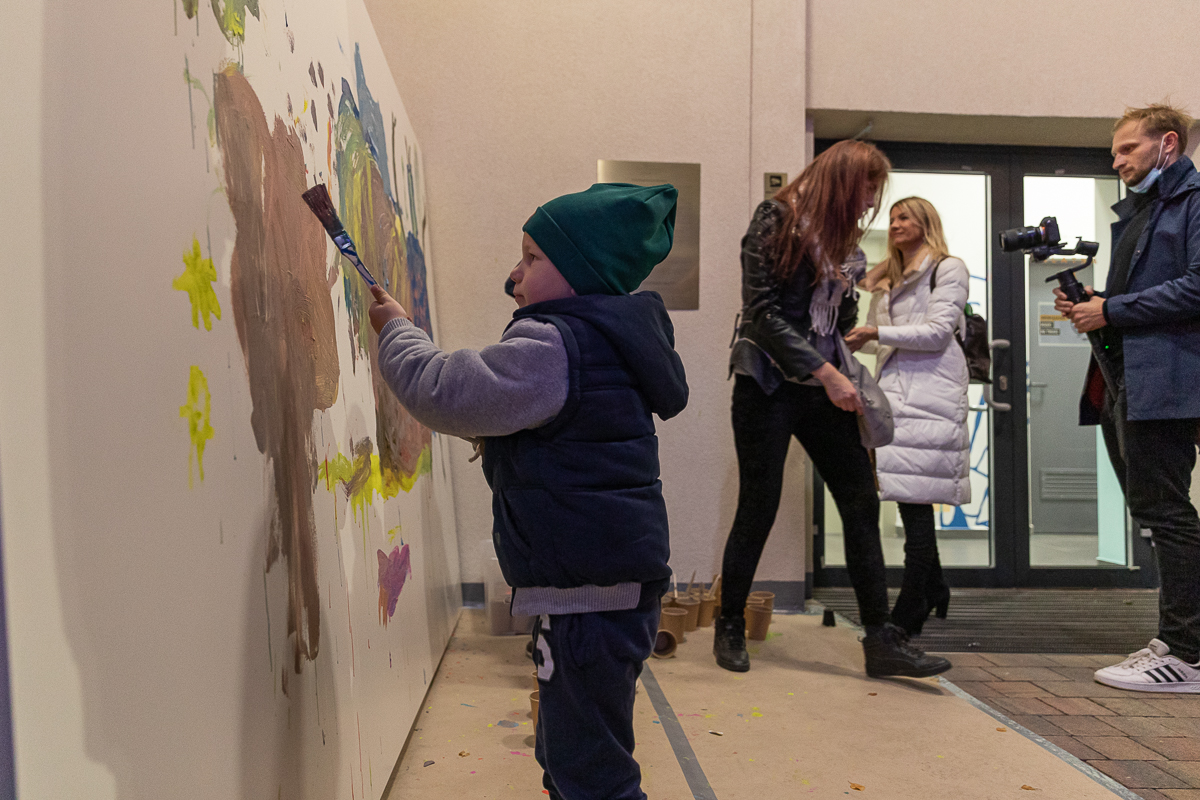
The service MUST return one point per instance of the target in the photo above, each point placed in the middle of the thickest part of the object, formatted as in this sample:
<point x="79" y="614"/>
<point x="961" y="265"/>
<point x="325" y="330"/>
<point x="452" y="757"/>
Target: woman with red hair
<point x="800" y="262"/>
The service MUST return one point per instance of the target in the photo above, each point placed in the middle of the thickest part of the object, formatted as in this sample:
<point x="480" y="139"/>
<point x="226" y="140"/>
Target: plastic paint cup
<point x="767" y="598"/>
<point x="758" y="620"/>
<point x="536" y="685"/>
<point x="533" y="707"/>
<point x="665" y="644"/>
<point x="692" y="606"/>
<point x="708" y="608"/>
<point x="672" y="620"/>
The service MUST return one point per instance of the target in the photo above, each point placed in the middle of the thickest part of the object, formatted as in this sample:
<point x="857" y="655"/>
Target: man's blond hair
<point x="1160" y="119"/>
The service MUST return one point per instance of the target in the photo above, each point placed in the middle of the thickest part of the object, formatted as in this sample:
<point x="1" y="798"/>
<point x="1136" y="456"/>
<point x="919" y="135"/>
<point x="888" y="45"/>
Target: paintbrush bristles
<point x="321" y="203"/>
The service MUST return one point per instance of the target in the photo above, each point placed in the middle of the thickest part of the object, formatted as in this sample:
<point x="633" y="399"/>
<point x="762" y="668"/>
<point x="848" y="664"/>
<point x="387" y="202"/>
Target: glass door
<point x="964" y="532"/>
<point x="1076" y="513"/>
<point x="1045" y="508"/>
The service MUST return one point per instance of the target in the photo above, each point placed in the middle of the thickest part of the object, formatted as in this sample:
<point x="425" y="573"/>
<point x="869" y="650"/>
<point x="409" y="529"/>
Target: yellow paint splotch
<point x="197" y="280"/>
<point x="362" y="479"/>
<point x="197" y="411"/>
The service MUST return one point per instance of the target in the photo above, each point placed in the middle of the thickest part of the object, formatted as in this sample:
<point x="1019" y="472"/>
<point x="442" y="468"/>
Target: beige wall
<point x="514" y="103"/>
<point x="984" y="58"/>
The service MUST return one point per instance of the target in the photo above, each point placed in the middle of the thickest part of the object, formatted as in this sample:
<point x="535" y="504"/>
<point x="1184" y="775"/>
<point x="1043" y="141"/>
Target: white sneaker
<point x="1152" y="670"/>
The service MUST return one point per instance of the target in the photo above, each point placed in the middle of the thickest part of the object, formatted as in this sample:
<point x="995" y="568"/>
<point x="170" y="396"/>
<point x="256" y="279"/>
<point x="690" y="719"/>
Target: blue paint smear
<point x="416" y="283"/>
<point x="506" y="723"/>
<point x="372" y="124"/>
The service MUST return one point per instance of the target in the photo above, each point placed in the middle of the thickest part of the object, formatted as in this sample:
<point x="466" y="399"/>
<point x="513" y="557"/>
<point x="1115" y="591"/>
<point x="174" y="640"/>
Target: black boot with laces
<point x="889" y="653"/>
<point x="729" y="643"/>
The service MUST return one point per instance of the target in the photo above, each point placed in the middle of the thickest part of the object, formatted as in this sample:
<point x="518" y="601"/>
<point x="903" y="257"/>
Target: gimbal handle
<point x="1069" y="284"/>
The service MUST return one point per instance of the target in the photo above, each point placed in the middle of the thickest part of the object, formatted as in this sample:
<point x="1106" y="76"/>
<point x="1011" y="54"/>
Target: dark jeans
<point x="1153" y="460"/>
<point x="923" y="580"/>
<point x="763" y="426"/>
<point x="588" y="666"/>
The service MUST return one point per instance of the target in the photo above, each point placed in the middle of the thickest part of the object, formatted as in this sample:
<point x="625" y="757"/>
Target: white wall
<point x="149" y="642"/>
<point x="516" y="102"/>
<point x="38" y="646"/>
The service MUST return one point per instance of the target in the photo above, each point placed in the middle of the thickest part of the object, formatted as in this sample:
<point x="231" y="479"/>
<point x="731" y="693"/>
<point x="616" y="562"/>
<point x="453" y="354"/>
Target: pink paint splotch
<point x="394" y="570"/>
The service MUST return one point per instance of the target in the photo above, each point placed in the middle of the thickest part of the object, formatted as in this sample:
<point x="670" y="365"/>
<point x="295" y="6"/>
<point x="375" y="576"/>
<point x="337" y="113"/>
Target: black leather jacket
<point x="774" y="340"/>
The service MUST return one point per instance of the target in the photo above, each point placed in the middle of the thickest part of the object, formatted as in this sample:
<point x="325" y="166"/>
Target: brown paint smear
<point x="284" y="318"/>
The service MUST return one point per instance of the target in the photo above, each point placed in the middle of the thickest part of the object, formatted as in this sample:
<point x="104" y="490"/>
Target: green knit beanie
<point x="607" y="239"/>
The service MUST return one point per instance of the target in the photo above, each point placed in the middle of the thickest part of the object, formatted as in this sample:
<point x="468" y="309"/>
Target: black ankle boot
<point x="889" y="653"/>
<point x="939" y="601"/>
<point x="729" y="643"/>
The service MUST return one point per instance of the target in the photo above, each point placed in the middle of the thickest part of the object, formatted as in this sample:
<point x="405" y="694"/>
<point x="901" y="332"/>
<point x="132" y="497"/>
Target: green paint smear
<point x="197" y="412"/>
<point x="195" y="83"/>
<point x="354" y="172"/>
<point x="231" y="17"/>
<point x="392" y="534"/>
<point x="189" y="7"/>
<point x="197" y="279"/>
<point x="341" y="469"/>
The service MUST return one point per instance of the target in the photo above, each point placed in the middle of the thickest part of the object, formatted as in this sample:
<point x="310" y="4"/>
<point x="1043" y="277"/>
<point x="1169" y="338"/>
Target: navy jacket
<point x="1159" y="313"/>
<point x="578" y="501"/>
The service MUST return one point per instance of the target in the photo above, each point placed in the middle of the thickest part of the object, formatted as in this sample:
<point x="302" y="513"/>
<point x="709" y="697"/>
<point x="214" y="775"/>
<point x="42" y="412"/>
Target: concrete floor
<point x="804" y="721"/>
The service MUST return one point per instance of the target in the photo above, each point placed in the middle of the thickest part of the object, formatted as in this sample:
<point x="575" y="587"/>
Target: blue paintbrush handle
<point x="346" y="246"/>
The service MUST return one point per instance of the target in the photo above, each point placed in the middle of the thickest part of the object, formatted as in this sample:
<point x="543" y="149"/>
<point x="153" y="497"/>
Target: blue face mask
<point x="1152" y="176"/>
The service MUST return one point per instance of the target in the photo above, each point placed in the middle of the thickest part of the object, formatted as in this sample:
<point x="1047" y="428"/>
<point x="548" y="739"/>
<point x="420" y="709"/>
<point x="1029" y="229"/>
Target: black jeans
<point x="1154" y="460"/>
<point x="923" y="580"/>
<point x="588" y="666"/>
<point x="763" y="426"/>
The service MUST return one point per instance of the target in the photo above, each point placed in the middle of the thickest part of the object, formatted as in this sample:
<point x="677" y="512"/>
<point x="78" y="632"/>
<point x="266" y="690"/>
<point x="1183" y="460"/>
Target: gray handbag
<point x="875" y="424"/>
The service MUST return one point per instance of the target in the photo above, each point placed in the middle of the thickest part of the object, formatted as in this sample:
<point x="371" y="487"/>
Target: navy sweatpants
<point x="588" y="666"/>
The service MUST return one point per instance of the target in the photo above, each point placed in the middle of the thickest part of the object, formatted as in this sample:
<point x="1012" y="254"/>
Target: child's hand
<point x="384" y="309"/>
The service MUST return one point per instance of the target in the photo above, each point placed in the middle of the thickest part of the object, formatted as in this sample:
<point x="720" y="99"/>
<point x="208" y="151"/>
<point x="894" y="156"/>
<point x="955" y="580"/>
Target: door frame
<point x="1005" y="166"/>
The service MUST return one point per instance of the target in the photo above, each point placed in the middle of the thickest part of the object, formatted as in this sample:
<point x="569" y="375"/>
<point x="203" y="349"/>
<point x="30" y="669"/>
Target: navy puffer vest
<point x="578" y="501"/>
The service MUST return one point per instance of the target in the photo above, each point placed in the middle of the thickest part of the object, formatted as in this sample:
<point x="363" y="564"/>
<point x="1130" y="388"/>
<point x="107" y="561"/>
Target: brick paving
<point x="1150" y="743"/>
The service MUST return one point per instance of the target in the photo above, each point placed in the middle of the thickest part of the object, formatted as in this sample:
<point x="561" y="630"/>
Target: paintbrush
<point x="319" y="201"/>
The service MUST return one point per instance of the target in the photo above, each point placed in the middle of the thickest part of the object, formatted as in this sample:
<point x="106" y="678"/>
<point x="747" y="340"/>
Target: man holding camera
<point x="1148" y="319"/>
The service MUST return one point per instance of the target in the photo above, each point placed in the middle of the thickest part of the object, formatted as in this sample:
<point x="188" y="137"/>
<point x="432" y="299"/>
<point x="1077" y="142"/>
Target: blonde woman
<point x="917" y="299"/>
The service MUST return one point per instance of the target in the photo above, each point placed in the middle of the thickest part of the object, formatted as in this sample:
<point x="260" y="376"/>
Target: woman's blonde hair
<point x="927" y="217"/>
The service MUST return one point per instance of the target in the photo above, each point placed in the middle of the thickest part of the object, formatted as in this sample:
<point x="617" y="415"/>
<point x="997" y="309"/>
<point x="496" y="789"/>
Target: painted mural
<point x="296" y="94"/>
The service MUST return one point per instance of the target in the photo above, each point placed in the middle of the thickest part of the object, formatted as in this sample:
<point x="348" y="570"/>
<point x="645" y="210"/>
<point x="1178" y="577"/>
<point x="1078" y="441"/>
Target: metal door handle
<point x="996" y="344"/>
<point x="992" y="404"/>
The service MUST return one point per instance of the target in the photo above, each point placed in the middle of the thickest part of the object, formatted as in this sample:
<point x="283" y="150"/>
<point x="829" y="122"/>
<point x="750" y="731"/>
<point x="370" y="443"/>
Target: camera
<point x="1041" y="242"/>
<point x="1045" y="233"/>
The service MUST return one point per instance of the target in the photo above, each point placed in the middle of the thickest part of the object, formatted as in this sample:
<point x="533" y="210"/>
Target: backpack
<point x="972" y="338"/>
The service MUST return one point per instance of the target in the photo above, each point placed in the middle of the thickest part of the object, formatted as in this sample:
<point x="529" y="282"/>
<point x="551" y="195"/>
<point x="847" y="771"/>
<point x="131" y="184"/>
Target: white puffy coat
<point x="923" y="372"/>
